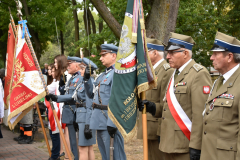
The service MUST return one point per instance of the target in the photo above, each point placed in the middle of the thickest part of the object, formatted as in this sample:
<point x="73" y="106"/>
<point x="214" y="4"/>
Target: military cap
<point x="108" y="48"/>
<point x="74" y="59"/>
<point x="225" y="42"/>
<point x="155" y="44"/>
<point x="88" y="61"/>
<point x="177" y="41"/>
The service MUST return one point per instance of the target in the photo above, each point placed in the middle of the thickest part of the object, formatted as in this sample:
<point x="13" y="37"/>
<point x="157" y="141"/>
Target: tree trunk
<point x="100" y="28"/>
<point x="162" y="19"/>
<point x="37" y="44"/>
<point x="159" y="23"/>
<point x="107" y="17"/>
<point x="62" y="44"/>
<point x="76" y="25"/>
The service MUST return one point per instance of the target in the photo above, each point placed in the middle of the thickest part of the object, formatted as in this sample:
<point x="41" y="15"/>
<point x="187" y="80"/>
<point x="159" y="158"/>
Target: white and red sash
<point x="176" y="110"/>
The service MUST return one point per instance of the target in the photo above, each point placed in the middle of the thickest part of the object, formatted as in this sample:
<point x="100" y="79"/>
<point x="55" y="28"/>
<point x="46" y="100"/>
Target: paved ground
<point x="11" y="150"/>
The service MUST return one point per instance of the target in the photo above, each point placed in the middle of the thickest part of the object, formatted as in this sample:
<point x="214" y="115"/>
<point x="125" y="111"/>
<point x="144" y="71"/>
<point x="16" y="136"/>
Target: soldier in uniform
<point x="187" y="91"/>
<point x="221" y="136"/>
<point x="163" y="73"/>
<point x="87" y="136"/>
<point x="100" y="91"/>
<point x="68" y="113"/>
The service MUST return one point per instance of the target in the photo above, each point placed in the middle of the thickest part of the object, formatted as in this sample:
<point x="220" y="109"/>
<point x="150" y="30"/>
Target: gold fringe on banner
<point x="126" y="136"/>
<point x="24" y="109"/>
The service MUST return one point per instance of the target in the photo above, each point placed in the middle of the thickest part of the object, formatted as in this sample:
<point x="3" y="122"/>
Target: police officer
<point x="163" y="73"/>
<point x="181" y="126"/>
<point x="100" y="91"/>
<point x="68" y="113"/>
<point x="221" y="136"/>
<point x="87" y="136"/>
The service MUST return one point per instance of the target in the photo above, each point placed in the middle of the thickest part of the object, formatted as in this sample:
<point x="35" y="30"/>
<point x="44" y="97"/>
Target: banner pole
<point x="29" y="43"/>
<point x="144" y="128"/>
<point x="43" y="128"/>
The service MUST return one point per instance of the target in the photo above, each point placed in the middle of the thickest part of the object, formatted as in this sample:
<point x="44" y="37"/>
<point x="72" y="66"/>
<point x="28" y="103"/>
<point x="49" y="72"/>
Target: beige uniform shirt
<point x="192" y="98"/>
<point x="163" y="73"/>
<point x="220" y="135"/>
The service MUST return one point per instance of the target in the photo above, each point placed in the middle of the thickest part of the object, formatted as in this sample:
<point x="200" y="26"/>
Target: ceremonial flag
<point x="133" y="71"/>
<point x="27" y="87"/>
<point x="9" y="64"/>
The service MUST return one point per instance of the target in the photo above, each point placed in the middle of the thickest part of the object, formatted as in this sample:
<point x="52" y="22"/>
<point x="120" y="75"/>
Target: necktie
<point x="176" y="74"/>
<point x="221" y="79"/>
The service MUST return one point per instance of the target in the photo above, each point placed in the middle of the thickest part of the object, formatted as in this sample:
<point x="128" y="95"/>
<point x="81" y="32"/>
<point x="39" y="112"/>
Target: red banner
<point x="27" y="87"/>
<point x="9" y="64"/>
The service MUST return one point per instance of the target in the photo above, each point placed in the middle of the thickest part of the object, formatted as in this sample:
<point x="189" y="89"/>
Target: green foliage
<point x="201" y="19"/>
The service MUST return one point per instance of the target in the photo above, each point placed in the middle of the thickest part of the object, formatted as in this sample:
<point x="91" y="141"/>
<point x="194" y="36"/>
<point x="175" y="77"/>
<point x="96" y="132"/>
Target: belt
<point x="81" y="105"/>
<point x="98" y="106"/>
<point x="70" y="103"/>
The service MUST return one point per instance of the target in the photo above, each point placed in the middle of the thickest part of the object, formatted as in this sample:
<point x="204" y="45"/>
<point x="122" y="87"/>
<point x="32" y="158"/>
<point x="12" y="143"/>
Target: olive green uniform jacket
<point x="221" y="136"/>
<point x="191" y="97"/>
<point x="163" y="73"/>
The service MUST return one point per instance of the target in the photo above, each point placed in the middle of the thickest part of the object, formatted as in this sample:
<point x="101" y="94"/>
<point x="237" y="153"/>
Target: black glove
<point x="75" y="125"/>
<point x="47" y="97"/>
<point x="52" y="96"/>
<point x="194" y="154"/>
<point x="151" y="106"/>
<point x="87" y="73"/>
<point x="111" y="131"/>
<point x="87" y="132"/>
<point x="63" y="80"/>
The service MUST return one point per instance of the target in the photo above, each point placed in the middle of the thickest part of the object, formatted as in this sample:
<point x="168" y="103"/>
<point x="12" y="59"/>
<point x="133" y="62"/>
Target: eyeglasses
<point x="172" y="52"/>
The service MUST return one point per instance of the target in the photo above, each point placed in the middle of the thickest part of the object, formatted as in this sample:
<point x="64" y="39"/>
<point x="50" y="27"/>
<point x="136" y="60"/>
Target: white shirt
<point x="227" y="75"/>
<point x="183" y="66"/>
<point x="155" y="65"/>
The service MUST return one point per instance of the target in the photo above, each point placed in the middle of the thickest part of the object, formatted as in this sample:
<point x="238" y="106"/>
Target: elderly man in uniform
<point x="163" y="73"/>
<point x="100" y="91"/>
<point x="221" y="136"/>
<point x="187" y="91"/>
<point x="68" y="113"/>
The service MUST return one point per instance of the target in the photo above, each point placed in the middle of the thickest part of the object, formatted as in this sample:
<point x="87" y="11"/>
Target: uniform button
<point x="178" y="90"/>
<point x="205" y="123"/>
<point x="231" y="147"/>
<point x="164" y="109"/>
<point x="205" y="132"/>
<point x="222" y="103"/>
<point x="163" y="118"/>
<point x="207" y="113"/>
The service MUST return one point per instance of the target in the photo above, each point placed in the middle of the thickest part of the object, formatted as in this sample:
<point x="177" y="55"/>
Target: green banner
<point x="133" y="75"/>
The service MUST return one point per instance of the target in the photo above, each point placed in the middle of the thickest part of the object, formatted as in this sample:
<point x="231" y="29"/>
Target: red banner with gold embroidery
<point x="27" y="87"/>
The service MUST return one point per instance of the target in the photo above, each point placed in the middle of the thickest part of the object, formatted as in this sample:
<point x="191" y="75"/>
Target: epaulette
<point x="197" y="67"/>
<point x="166" y="66"/>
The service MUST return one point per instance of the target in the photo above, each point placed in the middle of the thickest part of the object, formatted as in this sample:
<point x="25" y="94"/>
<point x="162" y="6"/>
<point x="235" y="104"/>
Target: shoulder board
<point x="98" y="76"/>
<point x="166" y="66"/>
<point x="197" y="67"/>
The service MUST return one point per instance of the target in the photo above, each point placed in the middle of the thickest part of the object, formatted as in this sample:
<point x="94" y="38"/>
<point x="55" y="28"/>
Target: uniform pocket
<point x="180" y="140"/>
<point x="226" y="149"/>
<point x="181" y="95"/>
<point x="81" y="115"/>
<point x="105" y="87"/>
<point x="222" y="109"/>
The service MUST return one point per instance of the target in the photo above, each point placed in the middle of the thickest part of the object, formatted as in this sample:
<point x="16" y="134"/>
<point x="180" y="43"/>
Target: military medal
<point x="180" y="84"/>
